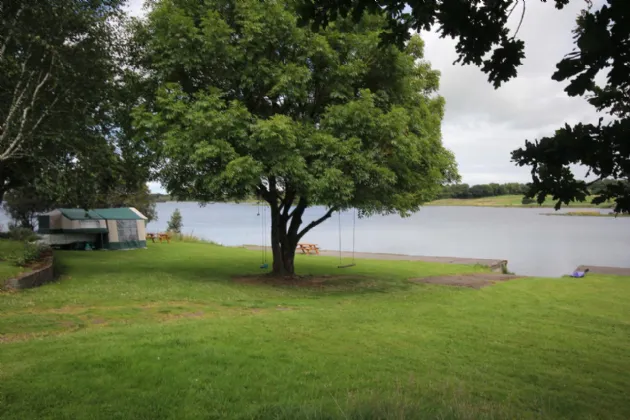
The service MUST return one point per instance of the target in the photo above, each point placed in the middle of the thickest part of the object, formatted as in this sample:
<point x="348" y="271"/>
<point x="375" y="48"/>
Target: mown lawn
<point x="165" y="333"/>
<point x="509" y="201"/>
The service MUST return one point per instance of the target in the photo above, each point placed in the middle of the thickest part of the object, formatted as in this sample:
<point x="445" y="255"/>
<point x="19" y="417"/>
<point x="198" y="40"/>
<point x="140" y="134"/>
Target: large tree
<point x="251" y="103"/>
<point x="56" y="68"/>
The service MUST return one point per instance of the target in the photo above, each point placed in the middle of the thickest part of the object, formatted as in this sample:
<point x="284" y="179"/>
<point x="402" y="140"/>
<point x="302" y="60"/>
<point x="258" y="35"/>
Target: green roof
<point x="80" y="214"/>
<point x="101" y="214"/>
<point x="123" y="213"/>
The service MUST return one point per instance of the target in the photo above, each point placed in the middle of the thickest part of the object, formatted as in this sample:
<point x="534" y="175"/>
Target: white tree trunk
<point x="23" y="117"/>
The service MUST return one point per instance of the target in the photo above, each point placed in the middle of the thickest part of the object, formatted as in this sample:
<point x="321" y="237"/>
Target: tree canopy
<point x="480" y="26"/>
<point x="602" y="39"/>
<point x="250" y="102"/>
<point x="57" y="65"/>
<point x="66" y="95"/>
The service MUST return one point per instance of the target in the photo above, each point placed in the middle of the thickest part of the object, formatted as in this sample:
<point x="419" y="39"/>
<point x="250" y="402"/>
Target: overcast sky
<point x="483" y="125"/>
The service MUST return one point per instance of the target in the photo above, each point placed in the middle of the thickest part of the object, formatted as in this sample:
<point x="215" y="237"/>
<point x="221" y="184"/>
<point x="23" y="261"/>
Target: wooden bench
<point x="308" y="248"/>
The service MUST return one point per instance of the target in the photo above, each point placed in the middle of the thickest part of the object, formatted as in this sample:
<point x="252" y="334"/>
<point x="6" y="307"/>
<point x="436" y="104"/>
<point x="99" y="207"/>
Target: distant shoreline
<point x="502" y="201"/>
<point x="510" y="201"/>
<point x="586" y="214"/>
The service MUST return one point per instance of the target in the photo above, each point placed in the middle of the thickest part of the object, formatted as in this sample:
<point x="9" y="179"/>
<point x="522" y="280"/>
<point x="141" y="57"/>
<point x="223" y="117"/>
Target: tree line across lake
<point x="464" y="191"/>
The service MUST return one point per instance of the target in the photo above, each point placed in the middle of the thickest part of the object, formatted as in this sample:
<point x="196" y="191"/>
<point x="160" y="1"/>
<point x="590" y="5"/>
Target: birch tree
<point x="56" y="65"/>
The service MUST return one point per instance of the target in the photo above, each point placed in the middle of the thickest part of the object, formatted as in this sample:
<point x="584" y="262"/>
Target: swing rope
<point x="263" y="237"/>
<point x="265" y="233"/>
<point x="354" y="221"/>
<point x="339" y="220"/>
<point x="354" y="224"/>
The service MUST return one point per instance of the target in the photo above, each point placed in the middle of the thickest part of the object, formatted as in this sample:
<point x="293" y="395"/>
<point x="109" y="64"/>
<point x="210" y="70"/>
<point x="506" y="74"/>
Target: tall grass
<point x="190" y="238"/>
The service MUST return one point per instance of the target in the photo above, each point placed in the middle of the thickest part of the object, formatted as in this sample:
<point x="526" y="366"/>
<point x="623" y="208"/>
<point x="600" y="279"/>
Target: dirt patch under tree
<point x="475" y="280"/>
<point x="297" y="281"/>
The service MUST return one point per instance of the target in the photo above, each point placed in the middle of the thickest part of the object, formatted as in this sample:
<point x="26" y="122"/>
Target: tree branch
<point x="45" y="114"/>
<point x="588" y="184"/>
<point x="316" y="222"/>
<point x="10" y="34"/>
<point x="296" y="216"/>
<point x="17" y="97"/>
<point x="43" y="80"/>
<point x="17" y="141"/>
<point x="289" y="196"/>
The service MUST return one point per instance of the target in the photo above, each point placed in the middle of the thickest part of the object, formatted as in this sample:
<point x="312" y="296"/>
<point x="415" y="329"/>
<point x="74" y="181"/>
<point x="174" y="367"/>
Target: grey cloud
<point x="483" y="125"/>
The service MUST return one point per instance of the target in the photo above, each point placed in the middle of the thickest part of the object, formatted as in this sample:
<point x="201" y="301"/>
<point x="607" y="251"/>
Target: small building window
<point x="127" y="230"/>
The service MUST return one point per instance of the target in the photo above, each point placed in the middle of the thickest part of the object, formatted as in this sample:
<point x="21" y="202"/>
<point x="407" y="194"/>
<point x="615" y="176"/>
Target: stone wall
<point x="35" y="278"/>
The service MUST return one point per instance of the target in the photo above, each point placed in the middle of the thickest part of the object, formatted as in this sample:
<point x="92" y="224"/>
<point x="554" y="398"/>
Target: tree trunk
<point x="285" y="235"/>
<point x="283" y="244"/>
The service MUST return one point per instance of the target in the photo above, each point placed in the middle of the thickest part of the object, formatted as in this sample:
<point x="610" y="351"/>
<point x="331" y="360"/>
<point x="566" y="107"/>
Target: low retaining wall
<point x="44" y="274"/>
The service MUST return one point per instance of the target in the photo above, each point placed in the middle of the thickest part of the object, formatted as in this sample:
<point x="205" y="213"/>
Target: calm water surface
<point x="533" y="244"/>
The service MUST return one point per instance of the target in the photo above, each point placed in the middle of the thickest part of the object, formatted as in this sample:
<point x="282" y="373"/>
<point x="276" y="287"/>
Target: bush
<point x="527" y="200"/>
<point x="21" y="234"/>
<point x="175" y="224"/>
<point x="189" y="237"/>
<point x="31" y="253"/>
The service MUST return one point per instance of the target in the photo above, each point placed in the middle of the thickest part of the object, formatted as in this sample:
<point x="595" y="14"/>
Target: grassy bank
<point x="166" y="333"/>
<point x="507" y="201"/>
<point x="8" y="249"/>
<point x="587" y="214"/>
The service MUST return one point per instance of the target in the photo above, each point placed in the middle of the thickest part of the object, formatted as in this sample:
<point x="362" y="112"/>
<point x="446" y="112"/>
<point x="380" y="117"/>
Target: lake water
<point x="533" y="244"/>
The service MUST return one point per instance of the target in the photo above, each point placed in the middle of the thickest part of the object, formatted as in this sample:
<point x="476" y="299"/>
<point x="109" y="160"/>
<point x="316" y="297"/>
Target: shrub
<point x="583" y="213"/>
<point x="175" y="224"/>
<point x="189" y="237"/>
<point x="21" y="234"/>
<point x="31" y="252"/>
<point x="527" y="200"/>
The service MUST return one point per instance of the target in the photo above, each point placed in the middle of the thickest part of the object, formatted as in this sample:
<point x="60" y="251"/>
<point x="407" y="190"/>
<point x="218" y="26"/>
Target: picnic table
<point x="308" y="248"/>
<point x="159" y="236"/>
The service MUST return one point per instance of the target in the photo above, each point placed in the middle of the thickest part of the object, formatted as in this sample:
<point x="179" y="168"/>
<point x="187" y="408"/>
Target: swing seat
<point x="346" y="265"/>
<point x="263" y="266"/>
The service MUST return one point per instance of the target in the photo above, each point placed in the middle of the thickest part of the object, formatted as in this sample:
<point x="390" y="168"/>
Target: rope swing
<point x="354" y="222"/>
<point x="263" y="236"/>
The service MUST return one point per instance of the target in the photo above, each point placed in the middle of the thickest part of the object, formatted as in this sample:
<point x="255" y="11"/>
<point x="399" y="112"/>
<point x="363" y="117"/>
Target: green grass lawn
<point x="508" y="201"/>
<point x="7" y="250"/>
<point x="165" y="333"/>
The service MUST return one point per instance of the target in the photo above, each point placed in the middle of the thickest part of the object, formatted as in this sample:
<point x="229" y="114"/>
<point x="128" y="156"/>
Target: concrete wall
<point x="34" y="278"/>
